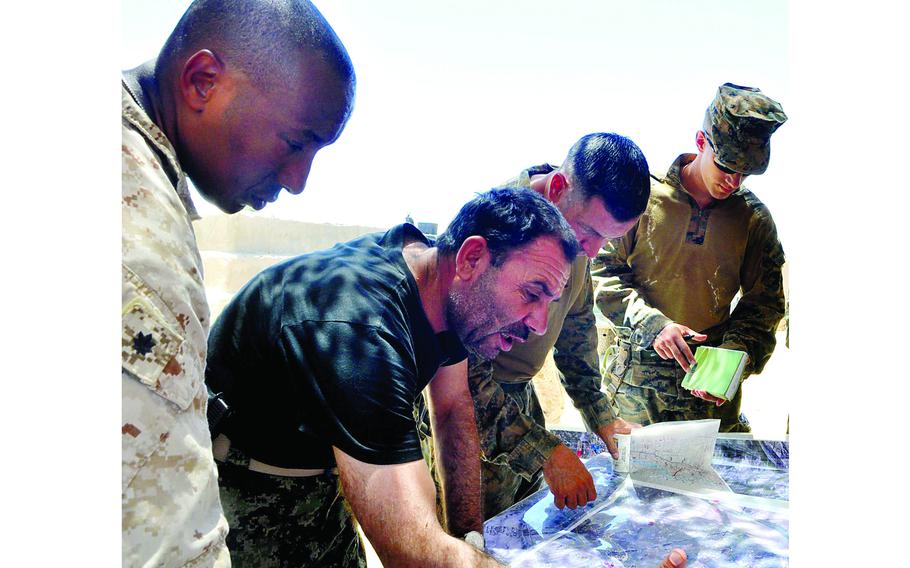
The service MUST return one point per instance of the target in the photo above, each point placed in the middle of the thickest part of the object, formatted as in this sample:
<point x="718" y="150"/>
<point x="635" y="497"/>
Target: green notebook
<point x="717" y="371"/>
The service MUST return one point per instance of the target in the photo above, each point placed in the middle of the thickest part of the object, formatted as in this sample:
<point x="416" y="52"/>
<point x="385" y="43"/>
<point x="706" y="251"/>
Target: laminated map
<point x="634" y="523"/>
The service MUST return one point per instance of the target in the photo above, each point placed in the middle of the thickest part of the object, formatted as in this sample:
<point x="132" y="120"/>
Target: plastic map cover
<point x="630" y="524"/>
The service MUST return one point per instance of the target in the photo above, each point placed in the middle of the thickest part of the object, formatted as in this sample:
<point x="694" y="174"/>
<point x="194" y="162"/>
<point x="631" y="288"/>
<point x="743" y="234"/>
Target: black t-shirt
<point x="328" y="349"/>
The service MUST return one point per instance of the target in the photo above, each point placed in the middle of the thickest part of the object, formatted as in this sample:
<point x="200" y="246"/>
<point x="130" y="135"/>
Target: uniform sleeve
<point x="753" y="322"/>
<point x="618" y="298"/>
<point x="576" y="358"/>
<point x="507" y="436"/>
<point x="357" y="386"/>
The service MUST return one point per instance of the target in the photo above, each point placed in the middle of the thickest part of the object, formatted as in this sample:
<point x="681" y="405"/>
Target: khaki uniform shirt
<point x="171" y="512"/>
<point x="518" y="441"/>
<point x="685" y="264"/>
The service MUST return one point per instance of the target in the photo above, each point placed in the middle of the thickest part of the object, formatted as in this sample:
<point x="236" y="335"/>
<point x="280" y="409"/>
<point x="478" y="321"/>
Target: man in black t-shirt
<point x="321" y="358"/>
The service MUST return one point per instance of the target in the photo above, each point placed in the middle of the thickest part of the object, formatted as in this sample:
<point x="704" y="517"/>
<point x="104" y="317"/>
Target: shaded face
<point x="592" y="223"/>
<point x="507" y="303"/>
<point x="720" y="182"/>
<point x="265" y="141"/>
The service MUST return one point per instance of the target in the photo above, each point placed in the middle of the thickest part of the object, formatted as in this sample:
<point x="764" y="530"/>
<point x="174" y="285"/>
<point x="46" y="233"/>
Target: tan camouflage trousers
<point x="651" y="392"/>
<point x="286" y="521"/>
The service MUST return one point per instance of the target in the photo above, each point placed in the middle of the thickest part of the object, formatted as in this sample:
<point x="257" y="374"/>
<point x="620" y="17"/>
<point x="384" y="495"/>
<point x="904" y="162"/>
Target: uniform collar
<point x="141" y="121"/>
<point x="674" y="174"/>
<point x="524" y="178"/>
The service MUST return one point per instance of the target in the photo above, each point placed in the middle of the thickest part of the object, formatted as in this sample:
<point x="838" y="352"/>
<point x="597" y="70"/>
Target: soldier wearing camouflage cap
<point x="669" y="284"/>
<point x="738" y="126"/>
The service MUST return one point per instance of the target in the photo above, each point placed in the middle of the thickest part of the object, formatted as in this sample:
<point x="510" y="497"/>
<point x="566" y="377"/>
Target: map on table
<point x="630" y="524"/>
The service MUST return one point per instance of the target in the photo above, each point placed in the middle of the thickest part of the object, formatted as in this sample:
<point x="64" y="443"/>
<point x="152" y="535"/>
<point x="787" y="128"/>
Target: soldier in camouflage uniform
<point x="601" y="189"/>
<point x="167" y="465"/>
<point x="669" y="284"/>
<point x="201" y="82"/>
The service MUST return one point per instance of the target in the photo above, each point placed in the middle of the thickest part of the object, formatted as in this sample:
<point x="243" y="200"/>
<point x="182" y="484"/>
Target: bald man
<point x="239" y="100"/>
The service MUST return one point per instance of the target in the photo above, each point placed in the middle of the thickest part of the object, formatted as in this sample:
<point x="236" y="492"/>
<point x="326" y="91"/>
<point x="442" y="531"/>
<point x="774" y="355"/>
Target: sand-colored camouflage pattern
<point x="171" y="513"/>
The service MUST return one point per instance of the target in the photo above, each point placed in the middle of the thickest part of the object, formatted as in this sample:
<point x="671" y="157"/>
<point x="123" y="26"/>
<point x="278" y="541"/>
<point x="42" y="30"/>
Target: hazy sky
<point x="455" y="97"/>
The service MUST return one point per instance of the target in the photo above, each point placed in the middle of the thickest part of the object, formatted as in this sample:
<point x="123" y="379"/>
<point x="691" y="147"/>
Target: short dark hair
<point x="508" y="218"/>
<point x="611" y="167"/>
<point x="263" y="38"/>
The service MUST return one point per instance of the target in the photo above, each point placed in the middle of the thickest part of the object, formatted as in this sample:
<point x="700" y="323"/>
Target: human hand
<point x="569" y="480"/>
<point x="709" y="397"/>
<point x="670" y="343"/>
<point x="676" y="559"/>
<point x="618" y="426"/>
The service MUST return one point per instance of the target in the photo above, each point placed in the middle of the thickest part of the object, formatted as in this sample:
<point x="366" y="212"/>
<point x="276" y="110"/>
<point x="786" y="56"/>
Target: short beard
<point x="470" y="312"/>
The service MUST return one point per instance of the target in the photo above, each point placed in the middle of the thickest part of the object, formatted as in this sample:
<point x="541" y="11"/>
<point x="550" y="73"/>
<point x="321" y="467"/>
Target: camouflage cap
<point x="739" y="123"/>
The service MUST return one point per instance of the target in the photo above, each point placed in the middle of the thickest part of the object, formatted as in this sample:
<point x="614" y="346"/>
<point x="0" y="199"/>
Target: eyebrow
<point x="544" y="288"/>
<point x="593" y="230"/>
<point x="304" y="133"/>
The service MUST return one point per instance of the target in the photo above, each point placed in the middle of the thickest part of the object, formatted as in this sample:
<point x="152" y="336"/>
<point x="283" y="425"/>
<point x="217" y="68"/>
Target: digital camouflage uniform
<point x="171" y="513"/>
<point x="685" y="264"/>
<point x="513" y="435"/>
<point x="317" y="528"/>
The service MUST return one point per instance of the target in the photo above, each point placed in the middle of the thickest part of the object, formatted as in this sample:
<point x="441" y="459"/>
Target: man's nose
<point x="592" y="246"/>
<point x="294" y="174"/>
<point x="537" y="319"/>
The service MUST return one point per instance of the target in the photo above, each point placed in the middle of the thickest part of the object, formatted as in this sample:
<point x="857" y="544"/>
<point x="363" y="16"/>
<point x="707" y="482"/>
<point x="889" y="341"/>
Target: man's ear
<point x="199" y="78"/>
<point x="558" y="187"/>
<point x="701" y="140"/>
<point x="472" y="258"/>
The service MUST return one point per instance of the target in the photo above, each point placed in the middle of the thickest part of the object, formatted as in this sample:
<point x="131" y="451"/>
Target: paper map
<point x="676" y="456"/>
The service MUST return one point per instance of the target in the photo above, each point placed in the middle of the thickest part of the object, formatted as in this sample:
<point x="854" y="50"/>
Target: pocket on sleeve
<point x="151" y="350"/>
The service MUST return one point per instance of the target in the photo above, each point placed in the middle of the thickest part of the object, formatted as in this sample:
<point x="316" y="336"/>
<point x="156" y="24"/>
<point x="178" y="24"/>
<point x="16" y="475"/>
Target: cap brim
<point x="755" y="163"/>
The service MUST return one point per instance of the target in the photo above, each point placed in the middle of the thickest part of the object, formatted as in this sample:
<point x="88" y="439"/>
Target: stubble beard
<point x="472" y="316"/>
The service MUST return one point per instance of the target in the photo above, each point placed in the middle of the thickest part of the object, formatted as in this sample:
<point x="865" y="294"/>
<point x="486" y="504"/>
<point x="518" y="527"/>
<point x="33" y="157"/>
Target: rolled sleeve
<point x="532" y="451"/>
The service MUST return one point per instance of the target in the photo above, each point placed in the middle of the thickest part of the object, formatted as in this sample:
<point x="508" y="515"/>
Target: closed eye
<point x="590" y="231"/>
<point x="299" y="141"/>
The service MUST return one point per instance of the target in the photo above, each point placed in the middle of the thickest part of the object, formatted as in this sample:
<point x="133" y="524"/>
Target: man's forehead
<point x="544" y="262"/>
<point x="316" y="95"/>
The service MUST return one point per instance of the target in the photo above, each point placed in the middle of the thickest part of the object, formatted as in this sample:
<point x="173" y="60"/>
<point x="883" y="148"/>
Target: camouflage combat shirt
<point x="510" y="437"/>
<point x="684" y="264"/>
<point x="171" y="512"/>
